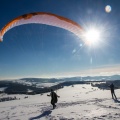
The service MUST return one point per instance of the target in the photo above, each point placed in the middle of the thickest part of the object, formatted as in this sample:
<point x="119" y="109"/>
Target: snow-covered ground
<point x="2" y="89"/>
<point x="81" y="102"/>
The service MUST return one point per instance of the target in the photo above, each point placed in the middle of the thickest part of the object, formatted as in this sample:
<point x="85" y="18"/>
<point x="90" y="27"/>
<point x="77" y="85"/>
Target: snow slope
<point x="81" y="102"/>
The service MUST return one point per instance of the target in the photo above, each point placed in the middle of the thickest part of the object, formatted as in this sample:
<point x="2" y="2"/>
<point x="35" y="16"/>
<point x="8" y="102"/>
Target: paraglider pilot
<point x="54" y="97"/>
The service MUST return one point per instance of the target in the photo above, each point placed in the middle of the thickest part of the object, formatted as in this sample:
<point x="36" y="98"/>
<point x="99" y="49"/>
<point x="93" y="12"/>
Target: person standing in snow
<point x="112" y="91"/>
<point x="54" y="97"/>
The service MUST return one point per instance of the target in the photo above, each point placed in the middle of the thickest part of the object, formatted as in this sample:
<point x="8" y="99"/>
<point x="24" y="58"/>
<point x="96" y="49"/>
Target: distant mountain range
<point x="42" y="85"/>
<point x="53" y="80"/>
<point x="86" y="78"/>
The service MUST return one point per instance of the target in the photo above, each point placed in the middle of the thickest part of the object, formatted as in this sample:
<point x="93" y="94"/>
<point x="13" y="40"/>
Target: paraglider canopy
<point x="44" y="18"/>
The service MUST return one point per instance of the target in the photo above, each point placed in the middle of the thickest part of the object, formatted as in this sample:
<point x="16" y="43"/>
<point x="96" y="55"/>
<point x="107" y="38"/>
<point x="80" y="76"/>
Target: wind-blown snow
<point x="80" y="102"/>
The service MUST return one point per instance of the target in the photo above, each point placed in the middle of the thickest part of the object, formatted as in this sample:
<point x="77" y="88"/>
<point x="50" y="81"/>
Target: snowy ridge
<point x="81" y="102"/>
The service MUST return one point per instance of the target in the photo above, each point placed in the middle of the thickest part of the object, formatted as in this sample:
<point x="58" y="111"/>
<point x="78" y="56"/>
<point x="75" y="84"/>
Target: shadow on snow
<point x="45" y="113"/>
<point x="116" y="101"/>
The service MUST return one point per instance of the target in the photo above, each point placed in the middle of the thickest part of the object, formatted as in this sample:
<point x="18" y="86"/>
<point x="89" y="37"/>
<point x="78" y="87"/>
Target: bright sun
<point x="92" y="36"/>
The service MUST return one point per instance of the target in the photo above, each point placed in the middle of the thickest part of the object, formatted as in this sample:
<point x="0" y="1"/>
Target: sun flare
<point x="92" y="36"/>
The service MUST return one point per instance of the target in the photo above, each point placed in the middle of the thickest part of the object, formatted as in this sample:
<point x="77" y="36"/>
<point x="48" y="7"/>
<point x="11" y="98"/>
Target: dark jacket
<point x="112" y="88"/>
<point x="53" y="97"/>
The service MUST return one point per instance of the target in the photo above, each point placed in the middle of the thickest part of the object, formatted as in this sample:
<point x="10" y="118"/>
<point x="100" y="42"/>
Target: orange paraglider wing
<point x="43" y="18"/>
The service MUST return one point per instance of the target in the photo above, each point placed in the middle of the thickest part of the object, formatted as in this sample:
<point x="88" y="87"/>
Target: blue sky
<point x="37" y="50"/>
